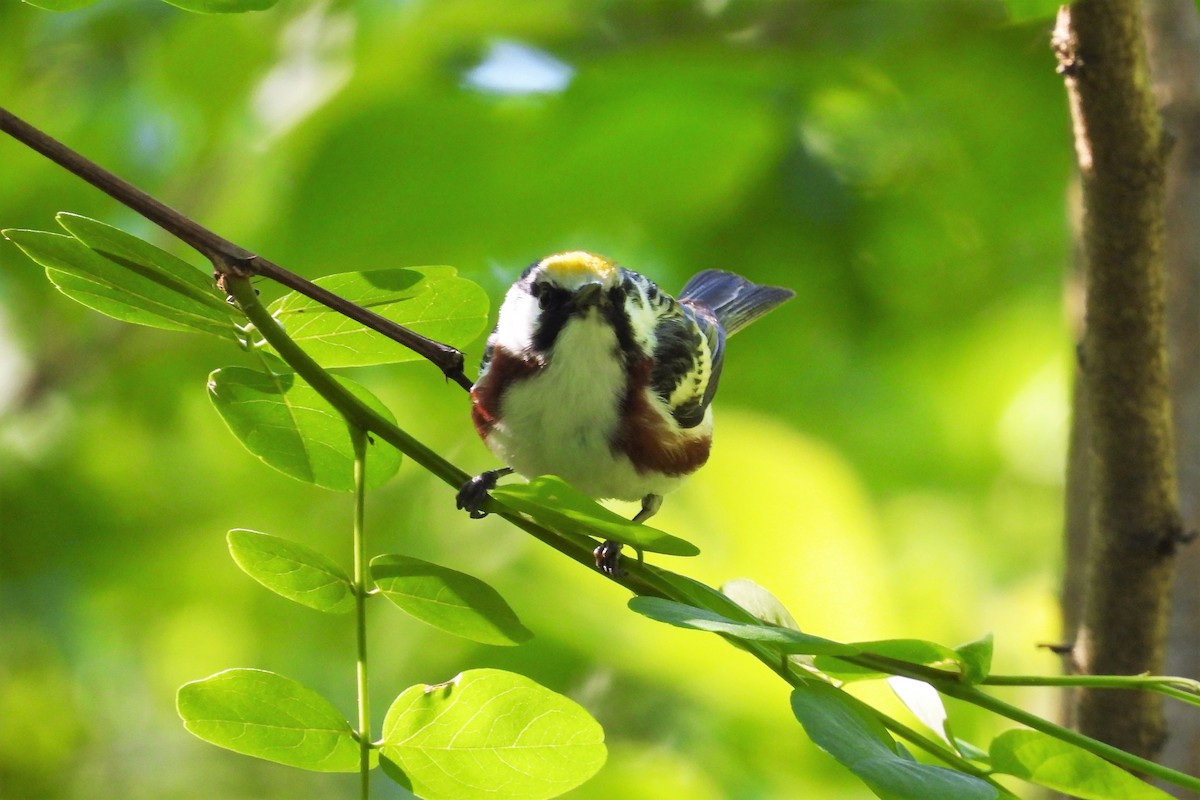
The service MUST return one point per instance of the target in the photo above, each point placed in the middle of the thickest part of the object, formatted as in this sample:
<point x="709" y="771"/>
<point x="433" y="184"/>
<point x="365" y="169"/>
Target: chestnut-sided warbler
<point x="595" y="375"/>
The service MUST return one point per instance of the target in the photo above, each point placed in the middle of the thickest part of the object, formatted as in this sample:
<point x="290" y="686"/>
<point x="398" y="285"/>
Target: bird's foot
<point x="474" y="493"/>
<point x="608" y="558"/>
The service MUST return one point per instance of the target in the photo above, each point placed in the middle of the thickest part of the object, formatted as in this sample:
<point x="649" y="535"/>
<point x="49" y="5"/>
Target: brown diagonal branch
<point x="1134" y="513"/>
<point x="227" y="258"/>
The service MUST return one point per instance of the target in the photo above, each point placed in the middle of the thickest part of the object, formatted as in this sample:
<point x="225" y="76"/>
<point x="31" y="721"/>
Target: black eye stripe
<point x="551" y="296"/>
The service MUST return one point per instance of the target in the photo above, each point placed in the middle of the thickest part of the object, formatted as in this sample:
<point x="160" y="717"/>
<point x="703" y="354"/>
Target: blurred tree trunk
<point x="1173" y="39"/>
<point x="1122" y="407"/>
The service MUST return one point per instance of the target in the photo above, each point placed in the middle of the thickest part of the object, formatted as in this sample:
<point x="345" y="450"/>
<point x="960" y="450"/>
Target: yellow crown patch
<point x="578" y="264"/>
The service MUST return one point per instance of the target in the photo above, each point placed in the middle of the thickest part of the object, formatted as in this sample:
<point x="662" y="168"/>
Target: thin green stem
<point x="785" y="670"/>
<point x="355" y="412"/>
<point x="359" y="437"/>
<point x="1182" y="689"/>
<point x="1114" y="754"/>
<point x="950" y="684"/>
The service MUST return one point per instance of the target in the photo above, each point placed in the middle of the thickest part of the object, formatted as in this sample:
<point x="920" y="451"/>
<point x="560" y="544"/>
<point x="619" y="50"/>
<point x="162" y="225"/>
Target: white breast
<point x="561" y="420"/>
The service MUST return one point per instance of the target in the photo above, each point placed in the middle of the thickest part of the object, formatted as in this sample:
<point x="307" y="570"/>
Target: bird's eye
<point x="548" y="295"/>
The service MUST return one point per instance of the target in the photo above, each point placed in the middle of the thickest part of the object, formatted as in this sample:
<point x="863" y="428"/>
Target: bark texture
<point x="1173" y="43"/>
<point x="1134" y="517"/>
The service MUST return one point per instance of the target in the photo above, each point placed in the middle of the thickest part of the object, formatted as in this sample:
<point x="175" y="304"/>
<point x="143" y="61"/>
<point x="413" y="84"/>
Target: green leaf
<point x="701" y="595"/>
<point x="924" y="702"/>
<point x="144" y="294"/>
<point x="848" y="730"/>
<point x="785" y="639"/>
<point x="759" y="603"/>
<point x="292" y="570"/>
<point x="1029" y="10"/>
<point x="556" y="504"/>
<point x="914" y="651"/>
<point x="60" y="5"/>
<point x="268" y="716"/>
<point x="222" y="6"/>
<point x="153" y="263"/>
<point x="283" y="421"/>
<point x="393" y="771"/>
<point x="432" y="301"/>
<point x="452" y="601"/>
<point x="1042" y="759"/>
<point x="975" y="659"/>
<point x="490" y="733"/>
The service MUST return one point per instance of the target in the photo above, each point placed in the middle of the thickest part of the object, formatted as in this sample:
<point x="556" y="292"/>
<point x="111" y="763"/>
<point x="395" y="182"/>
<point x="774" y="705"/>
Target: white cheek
<point x="518" y="315"/>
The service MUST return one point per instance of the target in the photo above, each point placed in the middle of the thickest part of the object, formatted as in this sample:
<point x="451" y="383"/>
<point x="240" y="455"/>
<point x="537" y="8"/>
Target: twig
<point x="227" y="258"/>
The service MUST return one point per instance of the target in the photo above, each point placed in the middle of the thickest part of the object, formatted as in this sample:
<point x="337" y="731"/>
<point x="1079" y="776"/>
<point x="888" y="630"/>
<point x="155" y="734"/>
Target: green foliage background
<point x="889" y="445"/>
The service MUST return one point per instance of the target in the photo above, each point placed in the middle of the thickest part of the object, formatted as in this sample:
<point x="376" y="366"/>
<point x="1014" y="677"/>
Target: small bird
<point x="597" y="376"/>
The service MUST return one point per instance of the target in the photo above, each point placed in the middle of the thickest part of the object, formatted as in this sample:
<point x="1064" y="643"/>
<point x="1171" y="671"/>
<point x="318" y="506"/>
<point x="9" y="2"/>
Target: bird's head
<point x="573" y="281"/>
<point x="559" y="289"/>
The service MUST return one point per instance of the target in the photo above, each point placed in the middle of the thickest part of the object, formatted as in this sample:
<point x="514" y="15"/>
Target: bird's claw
<point x="608" y="558"/>
<point x="474" y="493"/>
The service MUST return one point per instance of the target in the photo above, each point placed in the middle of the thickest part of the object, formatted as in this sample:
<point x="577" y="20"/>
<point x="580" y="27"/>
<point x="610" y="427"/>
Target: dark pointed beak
<point x="590" y="294"/>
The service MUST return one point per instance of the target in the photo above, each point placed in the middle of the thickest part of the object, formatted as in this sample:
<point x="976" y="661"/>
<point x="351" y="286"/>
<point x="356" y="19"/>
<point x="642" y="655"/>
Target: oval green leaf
<point x="491" y="734"/>
<point x="785" y="640"/>
<point x="1042" y="759"/>
<point x="152" y="263"/>
<point x="146" y="295"/>
<point x="975" y="659"/>
<point x="432" y="301"/>
<point x="554" y="503"/>
<point x="451" y="601"/>
<point x="283" y="421"/>
<point x="925" y="703"/>
<point x="292" y="570"/>
<point x="268" y="716"/>
<point x="848" y="730"/>
<point x="759" y="603"/>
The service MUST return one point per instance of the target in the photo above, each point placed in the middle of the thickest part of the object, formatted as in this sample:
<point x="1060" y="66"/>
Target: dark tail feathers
<point x="735" y="301"/>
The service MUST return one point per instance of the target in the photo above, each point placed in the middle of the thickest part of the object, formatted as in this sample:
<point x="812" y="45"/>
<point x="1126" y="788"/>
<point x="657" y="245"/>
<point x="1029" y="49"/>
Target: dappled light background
<point x="889" y="447"/>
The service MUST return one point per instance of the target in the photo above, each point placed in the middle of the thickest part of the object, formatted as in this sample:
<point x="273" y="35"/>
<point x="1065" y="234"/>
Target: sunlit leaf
<point x="557" y="505"/>
<point x="449" y="600"/>
<point x="975" y="659"/>
<point x="222" y="6"/>
<point x="151" y="262"/>
<point x="268" y="716"/>
<point x="786" y="640"/>
<point x="913" y="651"/>
<point x="758" y="602"/>
<point x="432" y="301"/>
<point x="846" y="728"/>
<point x="292" y="570"/>
<point x="493" y="734"/>
<point x="924" y="702"/>
<point x="146" y="295"/>
<point x="701" y="595"/>
<point x="283" y="421"/>
<point x="1042" y="759"/>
